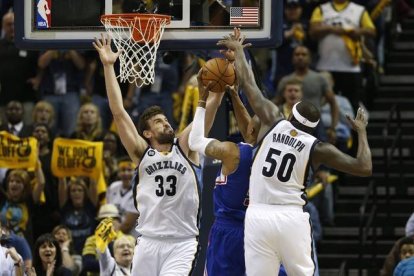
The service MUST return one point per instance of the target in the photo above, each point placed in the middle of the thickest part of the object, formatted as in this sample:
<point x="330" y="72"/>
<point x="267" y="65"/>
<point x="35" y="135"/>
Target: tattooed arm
<point x="267" y="112"/>
<point x="227" y="152"/>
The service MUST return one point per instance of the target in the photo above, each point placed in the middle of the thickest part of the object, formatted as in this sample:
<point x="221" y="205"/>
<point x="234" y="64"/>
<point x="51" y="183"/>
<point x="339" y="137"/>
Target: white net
<point x="138" y="38"/>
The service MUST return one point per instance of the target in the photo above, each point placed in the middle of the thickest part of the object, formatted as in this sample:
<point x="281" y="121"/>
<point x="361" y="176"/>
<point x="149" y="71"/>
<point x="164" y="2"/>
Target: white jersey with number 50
<point x="166" y="193"/>
<point x="280" y="166"/>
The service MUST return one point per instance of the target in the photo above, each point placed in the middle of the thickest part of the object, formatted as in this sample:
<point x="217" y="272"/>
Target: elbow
<point x="366" y="171"/>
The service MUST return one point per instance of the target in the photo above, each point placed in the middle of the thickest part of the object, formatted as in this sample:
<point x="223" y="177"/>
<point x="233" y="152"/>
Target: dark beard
<point x="166" y="138"/>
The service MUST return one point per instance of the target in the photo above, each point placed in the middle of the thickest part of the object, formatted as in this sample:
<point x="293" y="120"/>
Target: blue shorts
<point x="225" y="251"/>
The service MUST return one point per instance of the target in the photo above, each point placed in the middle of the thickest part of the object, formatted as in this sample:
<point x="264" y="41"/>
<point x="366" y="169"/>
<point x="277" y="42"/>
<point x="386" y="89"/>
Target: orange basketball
<point x="219" y="71"/>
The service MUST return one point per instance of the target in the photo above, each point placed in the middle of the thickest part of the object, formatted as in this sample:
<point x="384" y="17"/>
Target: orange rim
<point x="138" y="21"/>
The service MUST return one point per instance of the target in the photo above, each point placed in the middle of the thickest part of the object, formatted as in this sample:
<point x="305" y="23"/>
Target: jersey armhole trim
<point x="143" y="156"/>
<point x="317" y="141"/>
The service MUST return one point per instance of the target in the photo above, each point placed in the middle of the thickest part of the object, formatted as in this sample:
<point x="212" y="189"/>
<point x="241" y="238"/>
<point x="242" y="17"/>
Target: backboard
<point x="64" y="24"/>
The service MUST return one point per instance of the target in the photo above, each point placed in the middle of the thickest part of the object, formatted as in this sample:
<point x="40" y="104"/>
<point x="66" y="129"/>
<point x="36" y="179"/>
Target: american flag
<point x="244" y="16"/>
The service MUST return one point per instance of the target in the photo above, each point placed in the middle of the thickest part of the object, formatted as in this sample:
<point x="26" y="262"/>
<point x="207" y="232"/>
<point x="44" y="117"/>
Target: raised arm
<point x="62" y="192"/>
<point x="330" y="156"/>
<point x="39" y="182"/>
<point x="240" y="112"/>
<point x="93" y="192"/>
<point x="262" y="107"/>
<point x="132" y="141"/>
<point x="211" y="106"/>
<point x="225" y="151"/>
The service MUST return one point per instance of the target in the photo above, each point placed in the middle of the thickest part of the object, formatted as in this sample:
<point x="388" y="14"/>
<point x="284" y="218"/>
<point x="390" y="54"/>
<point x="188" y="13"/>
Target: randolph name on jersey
<point x="289" y="140"/>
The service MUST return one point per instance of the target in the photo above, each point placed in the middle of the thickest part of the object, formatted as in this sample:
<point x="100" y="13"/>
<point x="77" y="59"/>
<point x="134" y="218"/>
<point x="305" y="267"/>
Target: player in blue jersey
<point x="225" y="252"/>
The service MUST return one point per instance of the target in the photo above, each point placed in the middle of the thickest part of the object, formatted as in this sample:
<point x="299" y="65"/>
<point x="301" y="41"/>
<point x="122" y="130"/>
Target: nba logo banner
<point x="43" y="14"/>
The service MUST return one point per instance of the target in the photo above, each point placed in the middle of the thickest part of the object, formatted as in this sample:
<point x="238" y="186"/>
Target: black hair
<point x="406" y="240"/>
<point x="49" y="131"/>
<point x="37" y="262"/>
<point x="145" y="116"/>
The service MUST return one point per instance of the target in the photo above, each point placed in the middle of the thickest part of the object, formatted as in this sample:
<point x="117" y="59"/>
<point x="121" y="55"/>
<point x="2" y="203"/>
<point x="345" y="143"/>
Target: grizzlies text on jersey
<point x="167" y="194"/>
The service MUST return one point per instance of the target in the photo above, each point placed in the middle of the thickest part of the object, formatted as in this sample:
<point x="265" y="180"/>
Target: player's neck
<point x="161" y="147"/>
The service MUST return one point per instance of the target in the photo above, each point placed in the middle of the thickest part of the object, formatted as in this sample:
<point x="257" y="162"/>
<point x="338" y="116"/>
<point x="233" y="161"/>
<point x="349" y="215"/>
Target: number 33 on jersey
<point x="164" y="180"/>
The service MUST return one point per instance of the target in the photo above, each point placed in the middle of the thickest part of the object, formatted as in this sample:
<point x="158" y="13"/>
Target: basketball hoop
<point x="138" y="36"/>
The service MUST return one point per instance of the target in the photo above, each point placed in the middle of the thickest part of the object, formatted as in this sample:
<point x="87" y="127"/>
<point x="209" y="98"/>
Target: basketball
<point x="47" y="11"/>
<point x="219" y="71"/>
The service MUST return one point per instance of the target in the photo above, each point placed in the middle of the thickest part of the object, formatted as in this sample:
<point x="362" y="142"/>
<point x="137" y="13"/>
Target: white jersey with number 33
<point x="280" y="166"/>
<point x="167" y="195"/>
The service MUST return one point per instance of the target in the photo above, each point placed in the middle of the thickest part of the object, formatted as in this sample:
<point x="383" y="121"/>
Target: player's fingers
<point x="209" y="85"/>
<point x="242" y="39"/>
<point x="98" y="42"/>
<point x="95" y="46"/>
<point x="199" y="74"/>
<point x="237" y="32"/>
<point x="103" y="39"/>
<point x="228" y="89"/>
<point x="350" y="120"/>
<point x="360" y="113"/>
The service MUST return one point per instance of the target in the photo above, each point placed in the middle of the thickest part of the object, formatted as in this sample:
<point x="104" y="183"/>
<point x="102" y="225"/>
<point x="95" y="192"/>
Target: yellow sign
<point x="72" y="157"/>
<point x="17" y="153"/>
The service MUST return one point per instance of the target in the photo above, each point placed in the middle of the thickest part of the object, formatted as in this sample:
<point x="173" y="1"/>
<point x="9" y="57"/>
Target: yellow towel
<point x="354" y="48"/>
<point x="104" y="234"/>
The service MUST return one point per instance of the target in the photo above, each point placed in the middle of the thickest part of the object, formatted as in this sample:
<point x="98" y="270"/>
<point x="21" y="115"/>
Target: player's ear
<point x="147" y="134"/>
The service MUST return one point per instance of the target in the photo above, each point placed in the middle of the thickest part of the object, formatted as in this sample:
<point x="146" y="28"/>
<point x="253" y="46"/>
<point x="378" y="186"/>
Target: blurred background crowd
<point x="61" y="93"/>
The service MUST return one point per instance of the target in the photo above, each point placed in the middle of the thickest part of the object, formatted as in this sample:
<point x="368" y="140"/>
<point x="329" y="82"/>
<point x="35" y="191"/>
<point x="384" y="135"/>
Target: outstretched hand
<point x="233" y="41"/>
<point x="103" y="46"/>
<point x="360" y="122"/>
<point x="202" y="90"/>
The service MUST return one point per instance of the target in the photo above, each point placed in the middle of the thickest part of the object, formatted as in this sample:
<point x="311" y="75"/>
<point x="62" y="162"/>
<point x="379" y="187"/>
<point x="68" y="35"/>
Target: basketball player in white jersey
<point x="277" y="230"/>
<point x="166" y="186"/>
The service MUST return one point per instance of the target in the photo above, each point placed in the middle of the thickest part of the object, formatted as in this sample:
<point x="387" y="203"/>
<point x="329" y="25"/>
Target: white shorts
<point x="164" y="257"/>
<point x="276" y="234"/>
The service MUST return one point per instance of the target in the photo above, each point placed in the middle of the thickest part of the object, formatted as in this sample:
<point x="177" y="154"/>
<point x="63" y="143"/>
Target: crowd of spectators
<point x="49" y="220"/>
